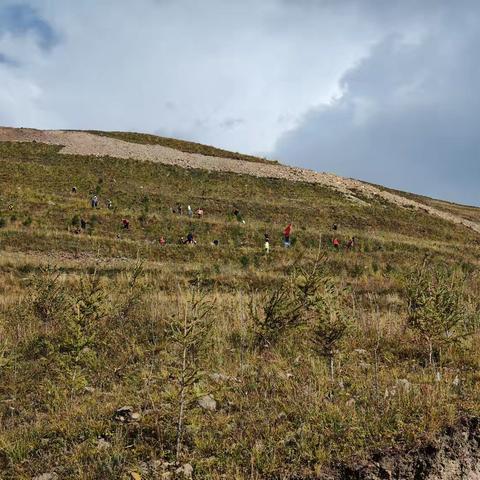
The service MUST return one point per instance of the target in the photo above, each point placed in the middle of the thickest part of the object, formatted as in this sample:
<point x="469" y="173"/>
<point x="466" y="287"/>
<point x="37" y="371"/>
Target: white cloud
<point x="184" y="67"/>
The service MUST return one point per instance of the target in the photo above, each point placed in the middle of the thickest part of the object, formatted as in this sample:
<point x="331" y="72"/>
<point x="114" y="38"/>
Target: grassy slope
<point x="276" y="416"/>
<point x="467" y="212"/>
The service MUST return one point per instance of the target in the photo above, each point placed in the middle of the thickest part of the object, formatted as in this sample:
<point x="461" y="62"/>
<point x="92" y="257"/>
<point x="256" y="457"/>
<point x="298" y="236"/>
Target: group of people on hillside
<point x="199" y="212"/>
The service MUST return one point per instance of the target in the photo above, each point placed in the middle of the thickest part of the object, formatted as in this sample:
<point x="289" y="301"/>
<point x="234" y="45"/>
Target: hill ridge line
<point x="90" y="144"/>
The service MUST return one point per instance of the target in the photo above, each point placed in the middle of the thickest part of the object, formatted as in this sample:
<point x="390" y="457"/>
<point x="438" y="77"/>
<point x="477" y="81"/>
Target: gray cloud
<point x="230" y="122"/>
<point x="21" y="19"/>
<point x="407" y="117"/>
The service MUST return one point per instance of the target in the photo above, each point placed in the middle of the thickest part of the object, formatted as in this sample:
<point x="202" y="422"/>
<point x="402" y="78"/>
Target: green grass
<point x="65" y="372"/>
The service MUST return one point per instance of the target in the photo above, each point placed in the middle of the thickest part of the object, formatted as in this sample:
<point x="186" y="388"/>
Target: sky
<point x="386" y="91"/>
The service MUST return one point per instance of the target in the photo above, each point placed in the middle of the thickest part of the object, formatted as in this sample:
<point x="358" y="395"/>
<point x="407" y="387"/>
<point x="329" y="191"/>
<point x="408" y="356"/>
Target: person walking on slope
<point x="286" y="235"/>
<point x="189" y="211"/>
<point x="94" y="201"/>
<point x="336" y="243"/>
<point x="266" y="245"/>
<point x="238" y="215"/>
<point x="350" y="243"/>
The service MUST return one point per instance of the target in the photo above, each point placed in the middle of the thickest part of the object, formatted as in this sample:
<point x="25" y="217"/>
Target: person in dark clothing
<point x="334" y="226"/>
<point x="126" y="224"/>
<point x="238" y="215"/>
<point x="191" y="239"/>
<point x="350" y="243"/>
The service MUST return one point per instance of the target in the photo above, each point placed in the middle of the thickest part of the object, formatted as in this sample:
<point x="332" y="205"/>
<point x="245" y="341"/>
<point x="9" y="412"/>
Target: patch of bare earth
<point x="83" y="143"/>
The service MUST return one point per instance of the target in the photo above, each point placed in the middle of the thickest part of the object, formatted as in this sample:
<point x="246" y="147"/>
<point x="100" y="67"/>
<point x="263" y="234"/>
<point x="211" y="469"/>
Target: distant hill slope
<point x="190" y="155"/>
<point x="182" y="145"/>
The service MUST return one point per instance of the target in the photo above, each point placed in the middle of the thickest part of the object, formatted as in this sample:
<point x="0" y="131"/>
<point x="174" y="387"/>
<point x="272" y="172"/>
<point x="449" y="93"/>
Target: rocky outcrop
<point x="455" y="455"/>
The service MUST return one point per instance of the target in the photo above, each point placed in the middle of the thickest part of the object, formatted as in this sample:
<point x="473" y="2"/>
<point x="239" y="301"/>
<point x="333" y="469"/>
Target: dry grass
<point x="279" y="415"/>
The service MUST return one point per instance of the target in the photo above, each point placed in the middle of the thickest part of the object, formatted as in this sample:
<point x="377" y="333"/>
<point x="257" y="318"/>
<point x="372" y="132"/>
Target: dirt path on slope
<point x="83" y="143"/>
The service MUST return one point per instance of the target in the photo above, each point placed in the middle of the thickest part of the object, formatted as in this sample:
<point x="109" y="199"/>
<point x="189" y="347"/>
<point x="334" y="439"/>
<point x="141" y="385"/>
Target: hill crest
<point x="104" y="144"/>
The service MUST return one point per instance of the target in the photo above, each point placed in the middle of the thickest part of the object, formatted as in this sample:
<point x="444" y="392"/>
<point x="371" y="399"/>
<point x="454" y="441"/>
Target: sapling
<point x="189" y="333"/>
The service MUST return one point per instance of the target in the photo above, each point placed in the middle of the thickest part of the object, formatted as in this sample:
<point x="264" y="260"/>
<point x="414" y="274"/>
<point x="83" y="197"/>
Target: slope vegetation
<point x="121" y="357"/>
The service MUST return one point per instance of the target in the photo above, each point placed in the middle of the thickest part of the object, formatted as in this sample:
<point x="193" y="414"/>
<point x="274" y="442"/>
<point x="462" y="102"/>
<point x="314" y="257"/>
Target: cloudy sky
<point x="382" y="90"/>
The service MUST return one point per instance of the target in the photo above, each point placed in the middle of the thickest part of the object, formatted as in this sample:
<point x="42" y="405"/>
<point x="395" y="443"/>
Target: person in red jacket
<point x="336" y="243"/>
<point x="126" y="224"/>
<point x="286" y="235"/>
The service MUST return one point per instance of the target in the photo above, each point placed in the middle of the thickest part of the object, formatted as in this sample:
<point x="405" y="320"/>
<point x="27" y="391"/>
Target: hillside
<point x="95" y="319"/>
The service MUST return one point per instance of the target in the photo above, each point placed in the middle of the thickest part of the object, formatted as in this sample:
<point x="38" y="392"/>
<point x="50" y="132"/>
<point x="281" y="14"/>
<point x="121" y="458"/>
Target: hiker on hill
<point x="238" y="215"/>
<point x="336" y="243"/>
<point x="189" y="211"/>
<point x="199" y="212"/>
<point x="286" y="235"/>
<point x="350" y="243"/>
<point x="162" y="241"/>
<point x="335" y="227"/>
<point x="94" y="201"/>
<point x="266" y="245"/>
<point x="74" y="189"/>
<point x="191" y="239"/>
<point x="109" y="204"/>
<point x="125" y="224"/>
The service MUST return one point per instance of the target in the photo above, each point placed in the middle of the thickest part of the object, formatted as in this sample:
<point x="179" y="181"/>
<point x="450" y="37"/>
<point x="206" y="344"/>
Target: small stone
<point x="207" y="402"/>
<point x="186" y="470"/>
<point x="361" y="351"/>
<point x="403" y="384"/>
<point x="46" y="476"/>
<point x="220" y="377"/>
<point x="102" y="444"/>
<point x="126" y="414"/>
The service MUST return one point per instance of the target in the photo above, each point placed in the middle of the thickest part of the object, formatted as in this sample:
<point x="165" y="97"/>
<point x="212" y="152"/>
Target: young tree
<point x="436" y="309"/>
<point x="273" y="313"/>
<point x="189" y="334"/>
<point x="331" y="320"/>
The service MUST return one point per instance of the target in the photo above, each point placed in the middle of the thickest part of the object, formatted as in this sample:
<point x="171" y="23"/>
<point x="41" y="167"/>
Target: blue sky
<point x="382" y="91"/>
